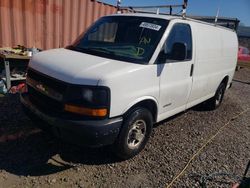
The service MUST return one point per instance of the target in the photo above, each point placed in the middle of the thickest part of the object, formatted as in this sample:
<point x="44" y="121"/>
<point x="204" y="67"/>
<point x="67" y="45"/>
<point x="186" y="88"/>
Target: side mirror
<point x="179" y="51"/>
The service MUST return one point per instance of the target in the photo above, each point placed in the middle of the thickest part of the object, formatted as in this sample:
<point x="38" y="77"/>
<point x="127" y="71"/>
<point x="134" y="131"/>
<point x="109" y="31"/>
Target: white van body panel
<point x="83" y="69"/>
<point x="175" y="81"/>
<point x="131" y="86"/>
<point x="216" y="57"/>
<point x="168" y="85"/>
<point x="77" y="68"/>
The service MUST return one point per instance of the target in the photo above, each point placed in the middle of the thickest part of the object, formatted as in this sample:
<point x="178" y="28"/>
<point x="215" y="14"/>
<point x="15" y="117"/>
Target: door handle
<point x="192" y="70"/>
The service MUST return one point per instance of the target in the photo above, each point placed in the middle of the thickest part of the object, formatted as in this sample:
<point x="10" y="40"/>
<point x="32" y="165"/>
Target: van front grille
<point x="45" y="103"/>
<point x="49" y="105"/>
<point x="57" y="85"/>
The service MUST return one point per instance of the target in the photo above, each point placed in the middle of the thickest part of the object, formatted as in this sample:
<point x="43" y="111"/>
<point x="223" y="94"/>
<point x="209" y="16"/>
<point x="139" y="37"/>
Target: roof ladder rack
<point x="158" y="7"/>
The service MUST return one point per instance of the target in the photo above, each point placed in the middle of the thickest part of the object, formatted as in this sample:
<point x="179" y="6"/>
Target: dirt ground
<point x="31" y="158"/>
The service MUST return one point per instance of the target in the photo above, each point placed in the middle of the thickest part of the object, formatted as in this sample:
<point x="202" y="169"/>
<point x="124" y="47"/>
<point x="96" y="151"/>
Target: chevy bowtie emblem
<point x="44" y="89"/>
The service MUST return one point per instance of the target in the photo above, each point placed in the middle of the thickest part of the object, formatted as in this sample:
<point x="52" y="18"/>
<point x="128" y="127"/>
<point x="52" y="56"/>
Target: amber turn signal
<point x="86" y="111"/>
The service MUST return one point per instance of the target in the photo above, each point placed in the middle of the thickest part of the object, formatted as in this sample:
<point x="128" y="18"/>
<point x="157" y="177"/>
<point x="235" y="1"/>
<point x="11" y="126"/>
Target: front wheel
<point x="134" y="134"/>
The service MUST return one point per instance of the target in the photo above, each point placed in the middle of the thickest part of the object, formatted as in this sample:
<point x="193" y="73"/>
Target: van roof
<point x="170" y="17"/>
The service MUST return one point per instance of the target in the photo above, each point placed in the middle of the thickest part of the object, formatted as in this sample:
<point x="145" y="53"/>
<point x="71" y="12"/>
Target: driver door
<point x="175" y="72"/>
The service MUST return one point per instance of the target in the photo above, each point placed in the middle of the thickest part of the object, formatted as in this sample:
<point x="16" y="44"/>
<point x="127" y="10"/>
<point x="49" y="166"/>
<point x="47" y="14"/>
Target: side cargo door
<point x="175" y="72"/>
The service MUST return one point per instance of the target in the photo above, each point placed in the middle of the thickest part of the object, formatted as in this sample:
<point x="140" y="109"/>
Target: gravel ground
<point x="30" y="158"/>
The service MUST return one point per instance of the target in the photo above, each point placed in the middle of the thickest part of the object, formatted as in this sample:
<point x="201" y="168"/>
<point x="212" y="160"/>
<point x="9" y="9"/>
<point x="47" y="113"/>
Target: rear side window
<point x="180" y="33"/>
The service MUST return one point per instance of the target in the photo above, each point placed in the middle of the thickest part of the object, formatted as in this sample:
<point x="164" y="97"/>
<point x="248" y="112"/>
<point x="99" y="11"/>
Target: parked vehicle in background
<point x="126" y="73"/>
<point x="244" y="54"/>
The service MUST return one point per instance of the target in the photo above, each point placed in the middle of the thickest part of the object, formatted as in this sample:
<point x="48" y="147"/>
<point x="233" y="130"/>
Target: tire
<point x="216" y="101"/>
<point x="134" y="134"/>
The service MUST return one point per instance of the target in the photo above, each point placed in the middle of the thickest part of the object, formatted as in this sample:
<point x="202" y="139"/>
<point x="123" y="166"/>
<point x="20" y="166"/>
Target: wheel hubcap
<point x="136" y="134"/>
<point x="219" y="97"/>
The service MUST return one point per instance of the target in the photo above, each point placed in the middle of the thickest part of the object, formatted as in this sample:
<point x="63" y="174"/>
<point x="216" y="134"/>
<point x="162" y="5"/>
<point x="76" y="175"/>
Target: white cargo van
<point x="127" y="72"/>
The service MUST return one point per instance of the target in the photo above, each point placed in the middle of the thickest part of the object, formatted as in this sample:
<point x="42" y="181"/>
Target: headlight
<point x="87" y="94"/>
<point x="93" y="97"/>
<point x="88" y="101"/>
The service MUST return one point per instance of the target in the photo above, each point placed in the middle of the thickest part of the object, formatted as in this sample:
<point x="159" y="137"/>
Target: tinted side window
<point x="180" y="33"/>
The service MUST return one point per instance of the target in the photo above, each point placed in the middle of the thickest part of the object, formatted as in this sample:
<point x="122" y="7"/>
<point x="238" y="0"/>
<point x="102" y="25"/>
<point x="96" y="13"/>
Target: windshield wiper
<point x="101" y="50"/>
<point x="90" y="49"/>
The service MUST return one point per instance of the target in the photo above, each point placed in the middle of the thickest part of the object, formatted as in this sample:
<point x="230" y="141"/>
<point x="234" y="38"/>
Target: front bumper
<point x="93" y="133"/>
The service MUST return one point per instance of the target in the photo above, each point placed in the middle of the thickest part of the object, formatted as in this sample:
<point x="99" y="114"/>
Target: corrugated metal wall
<point x="47" y="24"/>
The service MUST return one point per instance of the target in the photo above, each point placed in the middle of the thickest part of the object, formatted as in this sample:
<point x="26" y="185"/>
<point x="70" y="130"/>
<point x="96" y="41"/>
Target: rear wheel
<point x="216" y="101"/>
<point x="134" y="134"/>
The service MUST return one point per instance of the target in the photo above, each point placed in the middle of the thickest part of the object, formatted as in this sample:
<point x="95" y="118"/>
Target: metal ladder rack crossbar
<point x="133" y="8"/>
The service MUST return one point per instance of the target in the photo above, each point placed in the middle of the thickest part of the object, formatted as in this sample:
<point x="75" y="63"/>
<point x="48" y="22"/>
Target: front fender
<point x="138" y="100"/>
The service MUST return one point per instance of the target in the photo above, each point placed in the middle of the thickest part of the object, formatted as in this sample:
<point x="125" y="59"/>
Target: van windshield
<point x="126" y="38"/>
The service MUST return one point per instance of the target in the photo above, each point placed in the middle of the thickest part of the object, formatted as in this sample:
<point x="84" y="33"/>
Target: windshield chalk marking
<point x="145" y="41"/>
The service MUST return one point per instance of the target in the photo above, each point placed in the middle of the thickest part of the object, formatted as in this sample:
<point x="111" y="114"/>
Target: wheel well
<point x="225" y="80"/>
<point x="148" y="104"/>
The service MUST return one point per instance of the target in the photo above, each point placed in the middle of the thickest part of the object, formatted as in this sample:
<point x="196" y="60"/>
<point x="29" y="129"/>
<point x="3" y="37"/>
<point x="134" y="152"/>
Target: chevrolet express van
<point x="127" y="72"/>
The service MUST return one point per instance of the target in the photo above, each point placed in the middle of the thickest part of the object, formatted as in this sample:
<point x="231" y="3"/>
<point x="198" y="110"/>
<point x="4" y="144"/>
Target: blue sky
<point x="228" y="8"/>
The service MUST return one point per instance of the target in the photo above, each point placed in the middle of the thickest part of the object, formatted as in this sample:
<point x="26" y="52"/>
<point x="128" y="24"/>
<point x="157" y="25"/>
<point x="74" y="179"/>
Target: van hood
<point x="78" y="68"/>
